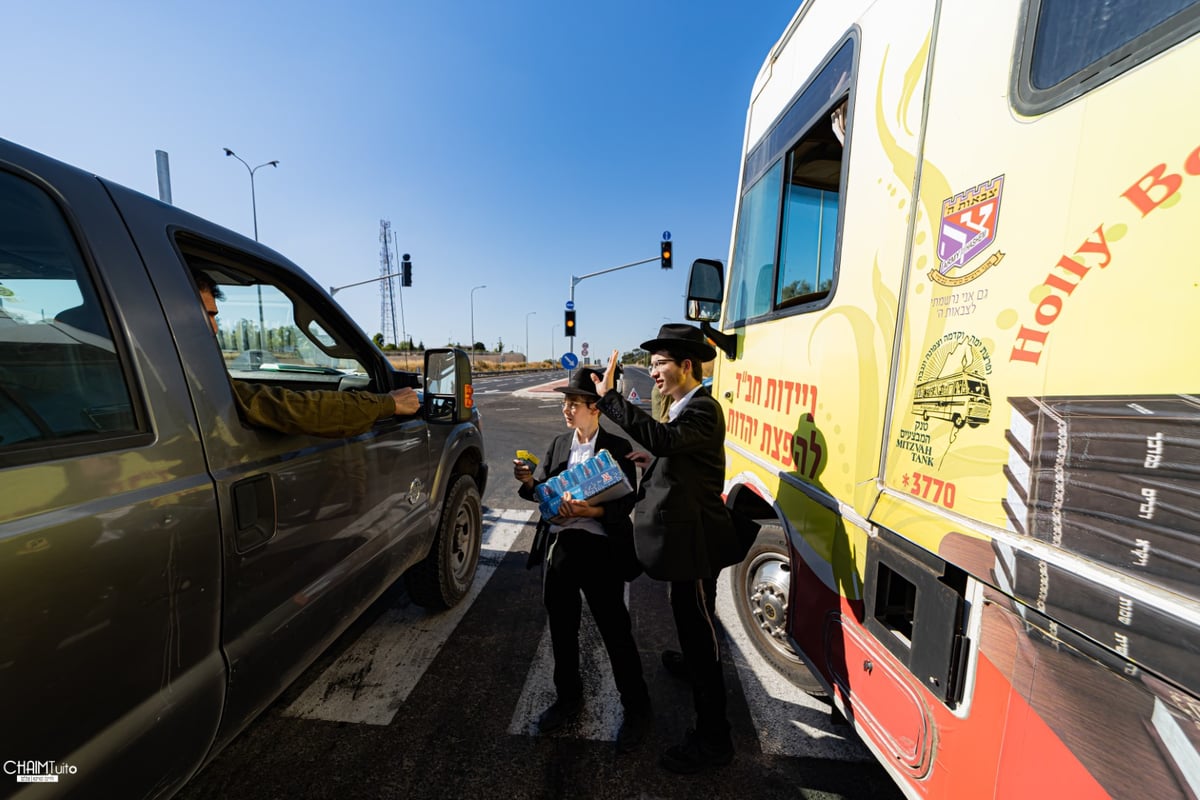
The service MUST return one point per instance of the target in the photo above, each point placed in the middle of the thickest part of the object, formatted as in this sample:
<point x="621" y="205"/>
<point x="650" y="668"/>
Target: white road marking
<point x="372" y="679"/>
<point x="789" y="721"/>
<point x="601" y="715"/>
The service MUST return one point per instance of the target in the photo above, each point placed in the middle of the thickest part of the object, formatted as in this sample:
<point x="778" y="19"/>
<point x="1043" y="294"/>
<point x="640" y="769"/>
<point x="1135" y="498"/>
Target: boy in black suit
<point x="590" y="549"/>
<point x="684" y="533"/>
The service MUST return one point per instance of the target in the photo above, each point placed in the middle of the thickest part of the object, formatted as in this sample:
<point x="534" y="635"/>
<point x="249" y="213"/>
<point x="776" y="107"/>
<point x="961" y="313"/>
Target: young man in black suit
<point x="684" y="533"/>
<point x="590" y="549"/>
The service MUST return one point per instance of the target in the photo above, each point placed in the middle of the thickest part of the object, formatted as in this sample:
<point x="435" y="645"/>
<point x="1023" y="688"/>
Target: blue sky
<point x="510" y="144"/>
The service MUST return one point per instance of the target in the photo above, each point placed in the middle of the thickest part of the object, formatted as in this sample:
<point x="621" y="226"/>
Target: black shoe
<point x="673" y="661"/>
<point x="559" y="714"/>
<point x="633" y="729"/>
<point x="694" y="755"/>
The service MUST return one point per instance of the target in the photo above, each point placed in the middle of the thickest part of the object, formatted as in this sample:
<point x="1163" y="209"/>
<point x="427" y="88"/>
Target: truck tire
<point x="760" y="584"/>
<point x="444" y="577"/>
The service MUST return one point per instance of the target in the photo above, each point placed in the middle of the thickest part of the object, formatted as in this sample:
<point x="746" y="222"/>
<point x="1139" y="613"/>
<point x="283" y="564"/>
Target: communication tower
<point x="387" y="291"/>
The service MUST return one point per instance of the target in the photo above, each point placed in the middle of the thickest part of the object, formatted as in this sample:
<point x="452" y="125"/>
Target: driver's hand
<point x="407" y="402"/>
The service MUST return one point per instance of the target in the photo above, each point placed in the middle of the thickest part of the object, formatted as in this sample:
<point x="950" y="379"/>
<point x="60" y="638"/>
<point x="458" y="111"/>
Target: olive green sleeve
<point x="325" y="413"/>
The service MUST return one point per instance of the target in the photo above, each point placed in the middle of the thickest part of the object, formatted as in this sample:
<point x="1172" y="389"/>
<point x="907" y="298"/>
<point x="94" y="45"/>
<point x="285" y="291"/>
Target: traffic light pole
<point x="335" y="289"/>
<point x="575" y="281"/>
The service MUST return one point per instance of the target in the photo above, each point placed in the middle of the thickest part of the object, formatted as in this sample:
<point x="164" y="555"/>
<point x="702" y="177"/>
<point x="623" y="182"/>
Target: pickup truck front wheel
<point x="446" y="574"/>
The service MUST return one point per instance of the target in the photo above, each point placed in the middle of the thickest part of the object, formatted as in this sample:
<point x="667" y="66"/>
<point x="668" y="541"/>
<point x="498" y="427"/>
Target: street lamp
<point x="528" y="314"/>
<point x="252" y="170"/>
<point x="254" y="211"/>
<point x="481" y="286"/>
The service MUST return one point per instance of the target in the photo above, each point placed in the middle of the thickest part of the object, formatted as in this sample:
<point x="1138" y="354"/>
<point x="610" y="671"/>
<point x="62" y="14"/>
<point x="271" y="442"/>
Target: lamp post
<point x="254" y="211"/>
<point x="481" y="286"/>
<point x="528" y="314"/>
<point x="252" y="170"/>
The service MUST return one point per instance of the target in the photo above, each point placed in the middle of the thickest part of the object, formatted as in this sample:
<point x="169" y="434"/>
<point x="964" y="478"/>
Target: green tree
<point x="636" y="356"/>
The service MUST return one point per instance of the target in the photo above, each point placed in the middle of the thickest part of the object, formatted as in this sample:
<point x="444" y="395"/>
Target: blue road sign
<point x="570" y="305"/>
<point x="570" y="361"/>
<point x="666" y="236"/>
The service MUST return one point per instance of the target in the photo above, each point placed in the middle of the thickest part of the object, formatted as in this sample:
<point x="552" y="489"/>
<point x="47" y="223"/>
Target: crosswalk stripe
<point x="601" y="715"/>
<point x="369" y="682"/>
<point x="789" y="721"/>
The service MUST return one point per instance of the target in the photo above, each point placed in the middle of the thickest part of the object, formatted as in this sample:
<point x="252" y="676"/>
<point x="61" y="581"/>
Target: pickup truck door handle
<point x="253" y="512"/>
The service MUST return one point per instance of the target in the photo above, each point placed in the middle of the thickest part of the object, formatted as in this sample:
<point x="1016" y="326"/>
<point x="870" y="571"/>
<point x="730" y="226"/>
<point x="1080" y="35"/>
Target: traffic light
<point x="405" y="270"/>
<point x="569" y="324"/>
<point x="666" y="255"/>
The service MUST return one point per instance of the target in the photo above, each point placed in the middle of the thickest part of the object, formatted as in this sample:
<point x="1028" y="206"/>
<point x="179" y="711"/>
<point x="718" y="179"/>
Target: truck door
<point x="110" y="660"/>
<point x="313" y="528"/>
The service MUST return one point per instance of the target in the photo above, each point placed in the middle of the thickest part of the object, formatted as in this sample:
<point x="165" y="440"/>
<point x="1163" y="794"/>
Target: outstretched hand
<point x="407" y="402"/>
<point x="609" y="381"/>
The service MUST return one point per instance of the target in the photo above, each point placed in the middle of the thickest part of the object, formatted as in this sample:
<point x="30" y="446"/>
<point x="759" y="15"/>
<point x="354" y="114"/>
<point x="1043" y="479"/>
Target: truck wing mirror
<point x="705" y="288"/>
<point x="449" y="395"/>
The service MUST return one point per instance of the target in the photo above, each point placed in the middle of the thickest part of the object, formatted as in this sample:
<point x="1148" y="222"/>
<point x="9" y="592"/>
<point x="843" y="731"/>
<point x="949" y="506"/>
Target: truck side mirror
<point x="705" y="288"/>
<point x="449" y="395"/>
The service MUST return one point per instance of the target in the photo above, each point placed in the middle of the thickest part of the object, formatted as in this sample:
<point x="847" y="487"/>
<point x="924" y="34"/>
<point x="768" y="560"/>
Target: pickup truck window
<point x="61" y="377"/>
<point x="261" y="341"/>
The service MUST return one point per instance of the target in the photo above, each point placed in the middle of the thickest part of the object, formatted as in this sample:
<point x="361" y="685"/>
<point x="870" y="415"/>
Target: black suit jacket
<point x="616" y="522"/>
<point x="683" y="530"/>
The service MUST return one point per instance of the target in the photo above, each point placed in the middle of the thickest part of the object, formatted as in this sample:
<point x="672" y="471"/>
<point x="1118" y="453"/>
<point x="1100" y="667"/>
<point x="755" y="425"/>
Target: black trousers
<point x="693" y="604"/>
<point x="580" y="561"/>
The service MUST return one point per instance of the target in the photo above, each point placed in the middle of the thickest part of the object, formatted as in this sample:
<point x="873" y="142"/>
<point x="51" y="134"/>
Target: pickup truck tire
<point x="443" y="578"/>
<point x="760" y="585"/>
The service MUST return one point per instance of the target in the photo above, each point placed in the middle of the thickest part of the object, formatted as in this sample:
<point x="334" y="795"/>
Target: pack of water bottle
<point x="597" y="480"/>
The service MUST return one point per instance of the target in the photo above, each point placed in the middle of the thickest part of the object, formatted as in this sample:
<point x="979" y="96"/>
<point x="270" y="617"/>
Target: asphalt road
<point x="412" y="704"/>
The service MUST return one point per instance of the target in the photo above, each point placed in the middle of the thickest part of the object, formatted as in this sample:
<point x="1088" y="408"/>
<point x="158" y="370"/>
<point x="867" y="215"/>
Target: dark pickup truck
<point x="167" y="569"/>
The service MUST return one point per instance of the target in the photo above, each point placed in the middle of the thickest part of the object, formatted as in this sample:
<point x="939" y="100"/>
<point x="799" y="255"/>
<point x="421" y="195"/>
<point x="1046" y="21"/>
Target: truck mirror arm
<point x="725" y="342"/>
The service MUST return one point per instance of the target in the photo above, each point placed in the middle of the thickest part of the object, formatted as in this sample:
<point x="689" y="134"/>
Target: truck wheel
<point x="760" y="593"/>
<point x="445" y="576"/>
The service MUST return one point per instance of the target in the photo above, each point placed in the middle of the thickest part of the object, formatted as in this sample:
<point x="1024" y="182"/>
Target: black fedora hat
<point x="685" y="340"/>
<point x="581" y="384"/>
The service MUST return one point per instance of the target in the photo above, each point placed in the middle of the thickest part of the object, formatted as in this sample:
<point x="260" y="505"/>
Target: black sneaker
<point x="694" y="755"/>
<point x="558" y="715"/>
<point x="674" y="663"/>
<point x="633" y="729"/>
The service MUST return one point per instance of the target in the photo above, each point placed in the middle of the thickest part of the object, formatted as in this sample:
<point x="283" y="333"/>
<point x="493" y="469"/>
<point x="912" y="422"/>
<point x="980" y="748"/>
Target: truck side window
<point x="268" y="332"/>
<point x="810" y="216"/>
<point x="61" y="379"/>
<point x="754" y="255"/>
<point x="1069" y="47"/>
<point x="262" y="342"/>
<point x="785" y="248"/>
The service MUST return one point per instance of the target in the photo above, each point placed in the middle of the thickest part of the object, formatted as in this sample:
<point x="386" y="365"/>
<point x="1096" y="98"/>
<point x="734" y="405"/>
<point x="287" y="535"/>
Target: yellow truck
<point x="955" y="320"/>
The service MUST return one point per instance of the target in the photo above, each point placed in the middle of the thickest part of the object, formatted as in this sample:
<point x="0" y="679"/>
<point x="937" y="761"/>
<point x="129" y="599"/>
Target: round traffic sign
<point x="570" y="361"/>
<point x="570" y="305"/>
